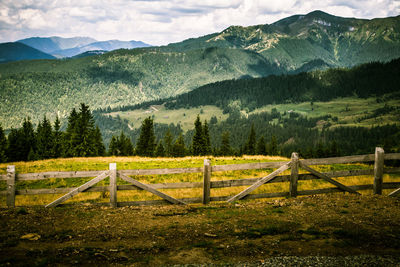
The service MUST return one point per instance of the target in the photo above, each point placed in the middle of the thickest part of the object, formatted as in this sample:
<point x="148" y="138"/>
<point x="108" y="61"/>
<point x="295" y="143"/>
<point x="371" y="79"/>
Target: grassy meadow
<point x="102" y="163"/>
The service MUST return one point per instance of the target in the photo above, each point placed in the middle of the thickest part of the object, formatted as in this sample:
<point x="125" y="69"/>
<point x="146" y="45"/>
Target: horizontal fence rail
<point x="275" y="177"/>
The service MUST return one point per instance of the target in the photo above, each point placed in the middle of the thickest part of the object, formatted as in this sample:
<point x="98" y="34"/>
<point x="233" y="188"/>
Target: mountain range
<point x="58" y="47"/>
<point x="126" y="77"/>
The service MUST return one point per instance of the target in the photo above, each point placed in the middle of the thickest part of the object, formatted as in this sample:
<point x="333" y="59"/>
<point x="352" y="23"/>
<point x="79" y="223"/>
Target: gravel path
<point x="343" y="261"/>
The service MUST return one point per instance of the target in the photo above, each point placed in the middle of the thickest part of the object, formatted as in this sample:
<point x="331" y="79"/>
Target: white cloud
<point x="163" y="21"/>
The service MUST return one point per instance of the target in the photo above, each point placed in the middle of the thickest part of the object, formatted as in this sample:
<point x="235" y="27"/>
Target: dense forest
<point x="371" y="79"/>
<point x="267" y="133"/>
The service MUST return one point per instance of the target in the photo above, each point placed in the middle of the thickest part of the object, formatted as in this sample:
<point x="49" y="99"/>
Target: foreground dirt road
<point x="251" y="232"/>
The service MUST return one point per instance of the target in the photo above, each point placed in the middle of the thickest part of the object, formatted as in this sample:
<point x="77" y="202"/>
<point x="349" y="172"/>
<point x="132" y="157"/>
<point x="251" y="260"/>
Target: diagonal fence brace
<point x="326" y="178"/>
<point x="78" y="190"/>
<point x="260" y="182"/>
<point x="150" y="189"/>
<point x="395" y="193"/>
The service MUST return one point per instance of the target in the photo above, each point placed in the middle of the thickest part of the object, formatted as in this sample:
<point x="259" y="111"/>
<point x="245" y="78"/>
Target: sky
<point x="159" y="22"/>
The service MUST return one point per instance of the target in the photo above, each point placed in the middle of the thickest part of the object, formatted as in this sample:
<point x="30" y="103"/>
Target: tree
<point x="44" y="139"/>
<point x="113" y="149"/>
<point x="207" y="141"/>
<point x="99" y="147"/>
<point x="251" y="142"/>
<point x="3" y="146"/>
<point x="82" y="139"/>
<point x="225" y="149"/>
<point x="261" y="147"/>
<point x="168" y="143"/>
<point x="198" y="143"/>
<point x="146" y="144"/>
<point x="273" y="146"/>
<point x="160" y="152"/>
<point x="179" y="149"/>
<point x="57" y="139"/>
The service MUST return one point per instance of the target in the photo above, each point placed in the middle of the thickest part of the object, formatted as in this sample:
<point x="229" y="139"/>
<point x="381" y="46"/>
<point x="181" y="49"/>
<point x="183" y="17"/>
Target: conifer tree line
<point x="255" y="135"/>
<point x="81" y="139"/>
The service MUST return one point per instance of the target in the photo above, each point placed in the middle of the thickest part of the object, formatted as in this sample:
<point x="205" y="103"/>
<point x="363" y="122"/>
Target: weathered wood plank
<point x="262" y="181"/>
<point x="246" y="166"/>
<point x="78" y="190"/>
<point x="161" y="171"/>
<point x="150" y="189"/>
<point x="294" y="174"/>
<point x="65" y="175"/>
<point x="395" y="193"/>
<point x="326" y="178"/>
<point x="378" y="170"/>
<point x="392" y="156"/>
<point x="206" y="181"/>
<point x="339" y="160"/>
<point x="113" y="184"/>
<point x="11" y="186"/>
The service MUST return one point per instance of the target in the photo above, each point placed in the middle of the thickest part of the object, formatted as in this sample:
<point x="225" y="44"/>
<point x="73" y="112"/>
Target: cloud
<point x="163" y="21"/>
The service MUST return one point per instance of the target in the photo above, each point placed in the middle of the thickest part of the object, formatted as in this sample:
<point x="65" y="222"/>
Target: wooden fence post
<point x="206" y="181"/>
<point x="294" y="175"/>
<point x="113" y="185"/>
<point x="378" y="170"/>
<point x="11" y="186"/>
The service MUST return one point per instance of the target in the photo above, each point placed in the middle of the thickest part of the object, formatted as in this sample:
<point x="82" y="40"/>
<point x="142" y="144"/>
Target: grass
<point x="185" y="117"/>
<point x="101" y="163"/>
<point x="350" y="111"/>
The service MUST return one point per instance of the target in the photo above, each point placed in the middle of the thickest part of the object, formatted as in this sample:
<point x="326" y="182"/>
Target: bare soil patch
<point x="248" y="231"/>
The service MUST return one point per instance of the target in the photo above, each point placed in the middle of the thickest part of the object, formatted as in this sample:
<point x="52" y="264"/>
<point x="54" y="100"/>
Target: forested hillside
<point x="126" y="77"/>
<point x="118" y="78"/>
<point x="373" y="79"/>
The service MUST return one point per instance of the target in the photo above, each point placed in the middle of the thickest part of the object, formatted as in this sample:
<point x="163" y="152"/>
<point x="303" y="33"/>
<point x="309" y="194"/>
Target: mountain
<point x="297" y="40"/>
<point x="17" y="51"/>
<point x="127" y="77"/>
<point x="69" y="47"/>
<point x="104" y="45"/>
<point x="51" y="44"/>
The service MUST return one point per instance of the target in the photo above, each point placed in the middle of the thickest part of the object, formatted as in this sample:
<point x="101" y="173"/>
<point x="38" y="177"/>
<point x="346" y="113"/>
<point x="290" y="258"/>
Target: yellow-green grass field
<point x="102" y="163"/>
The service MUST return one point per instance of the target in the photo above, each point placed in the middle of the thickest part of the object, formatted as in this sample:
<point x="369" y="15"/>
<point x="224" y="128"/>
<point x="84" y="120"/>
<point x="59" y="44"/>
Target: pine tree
<point x="251" y="142"/>
<point x="57" y="139"/>
<point x="28" y="139"/>
<point x="3" y="146"/>
<point x="85" y="133"/>
<point x="198" y="143"/>
<point x="113" y="149"/>
<point x="44" y="139"/>
<point x="179" y="149"/>
<point x="14" y="145"/>
<point x="100" y="150"/>
<point x="207" y="141"/>
<point x="225" y="149"/>
<point x="146" y="144"/>
<point x="160" y="152"/>
<point x="71" y="134"/>
<point x="273" y="147"/>
<point x="261" y="147"/>
<point x="168" y="143"/>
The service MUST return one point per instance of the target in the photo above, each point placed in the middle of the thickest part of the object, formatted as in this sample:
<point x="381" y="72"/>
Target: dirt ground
<point x="248" y="231"/>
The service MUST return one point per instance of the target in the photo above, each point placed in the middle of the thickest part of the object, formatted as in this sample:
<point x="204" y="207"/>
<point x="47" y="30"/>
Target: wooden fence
<point x="294" y="164"/>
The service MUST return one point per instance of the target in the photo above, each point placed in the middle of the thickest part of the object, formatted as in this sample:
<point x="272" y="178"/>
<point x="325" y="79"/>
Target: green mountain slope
<point x="123" y="77"/>
<point x="297" y="40"/>
<point x="17" y="51"/>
